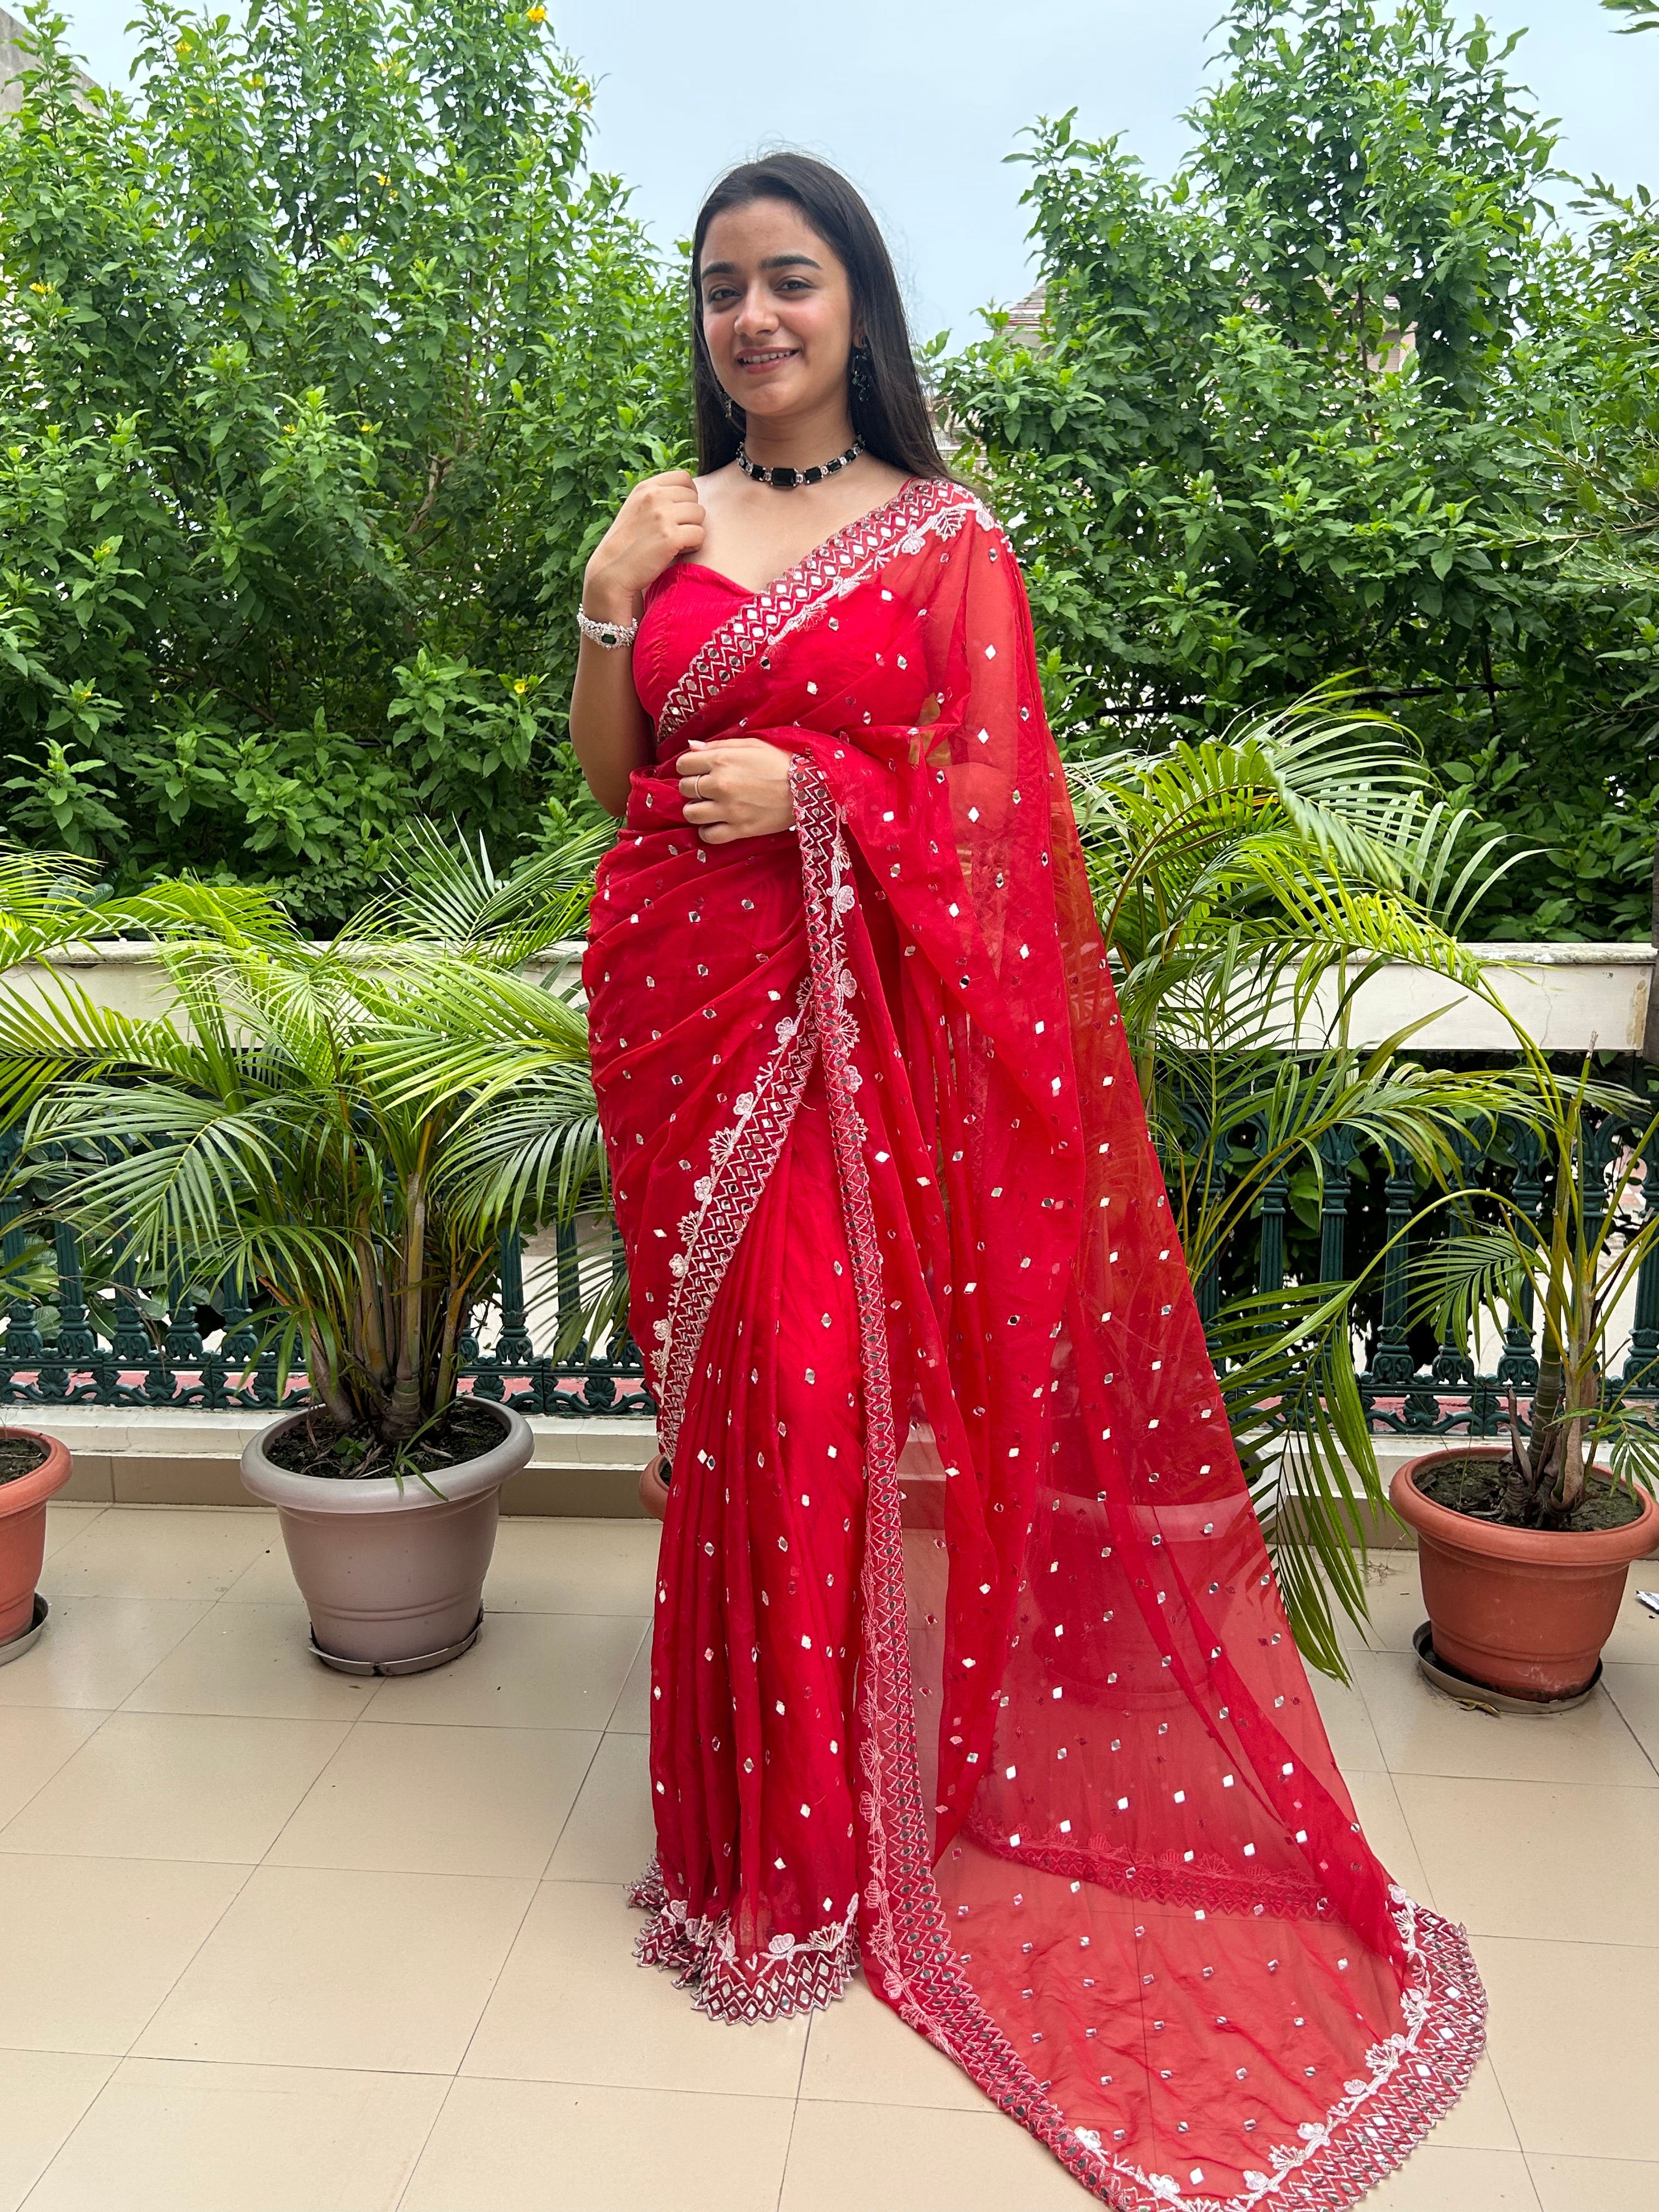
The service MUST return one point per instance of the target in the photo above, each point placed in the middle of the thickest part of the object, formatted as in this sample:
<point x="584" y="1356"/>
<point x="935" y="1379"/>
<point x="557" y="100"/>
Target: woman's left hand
<point x="736" y="787"/>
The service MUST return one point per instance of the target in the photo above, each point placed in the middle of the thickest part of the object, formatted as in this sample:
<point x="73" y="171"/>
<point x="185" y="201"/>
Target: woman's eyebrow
<point x="772" y="261"/>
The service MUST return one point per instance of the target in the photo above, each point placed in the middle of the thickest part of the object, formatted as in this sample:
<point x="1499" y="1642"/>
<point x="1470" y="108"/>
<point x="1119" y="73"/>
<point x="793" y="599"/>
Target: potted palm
<point x="345" y="1130"/>
<point x="51" y="907"/>
<point x="1248" y="884"/>
<point x="32" y="1468"/>
<point x="1524" y="1546"/>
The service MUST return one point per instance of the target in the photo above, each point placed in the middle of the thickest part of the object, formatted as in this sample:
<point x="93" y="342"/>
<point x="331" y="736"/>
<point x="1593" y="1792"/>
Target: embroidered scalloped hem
<point x="1414" y="2080"/>
<point x="645" y="1893"/>
<point x="793" y="1975"/>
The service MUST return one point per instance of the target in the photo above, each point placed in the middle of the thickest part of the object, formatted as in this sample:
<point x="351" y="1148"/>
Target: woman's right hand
<point x="659" y="519"/>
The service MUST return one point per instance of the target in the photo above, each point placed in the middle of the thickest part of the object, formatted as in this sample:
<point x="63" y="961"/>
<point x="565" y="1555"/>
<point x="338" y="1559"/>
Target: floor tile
<point x="1594" y="2185"/>
<point x="1635" y="1638"/>
<point x="842" y="2155"/>
<point x="553" y="1565"/>
<point x="1438" y="2178"/>
<point x="65" y="1522"/>
<point x="610" y="1834"/>
<point x="1506" y="1858"/>
<point x="541" y="1670"/>
<point x="547" y="2147"/>
<point x="633" y="1713"/>
<point x="1394" y="1592"/>
<point x="326" y="1967"/>
<point x="440" y="1800"/>
<point x="253" y="1660"/>
<point x="1635" y="1691"/>
<point x="165" y="2136"/>
<point x="1423" y="1732"/>
<point x="158" y="1550"/>
<point x="269" y="1580"/>
<point x="96" y="1651"/>
<point x="1376" y="1800"/>
<point x="42" y="2095"/>
<point x="34" y="1742"/>
<point x="1480" y="2119"/>
<point x="176" y="1786"/>
<point x="572" y="2005"/>
<point x="89" y="1947"/>
<point x="861" y="2052"/>
<point x="1348" y="1725"/>
<point x="1570" y="2032"/>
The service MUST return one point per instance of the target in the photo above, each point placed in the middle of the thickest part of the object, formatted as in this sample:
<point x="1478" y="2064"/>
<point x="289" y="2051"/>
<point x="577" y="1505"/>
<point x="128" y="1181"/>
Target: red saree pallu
<point x="968" y="1661"/>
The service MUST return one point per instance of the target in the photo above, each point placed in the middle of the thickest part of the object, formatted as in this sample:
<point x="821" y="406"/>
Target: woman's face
<point x="777" y="311"/>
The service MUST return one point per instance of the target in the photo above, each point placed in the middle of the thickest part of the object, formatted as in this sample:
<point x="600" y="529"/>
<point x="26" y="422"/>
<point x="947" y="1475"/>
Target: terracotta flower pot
<point x="23" y="1532"/>
<point x="1524" y="1611"/>
<point x="392" y="1575"/>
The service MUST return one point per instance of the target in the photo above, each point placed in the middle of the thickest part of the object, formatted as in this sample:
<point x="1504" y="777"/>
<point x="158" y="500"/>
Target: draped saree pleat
<point x="968" y="1662"/>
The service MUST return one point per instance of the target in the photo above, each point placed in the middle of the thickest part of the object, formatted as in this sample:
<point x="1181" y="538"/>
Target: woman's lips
<point x="757" y="364"/>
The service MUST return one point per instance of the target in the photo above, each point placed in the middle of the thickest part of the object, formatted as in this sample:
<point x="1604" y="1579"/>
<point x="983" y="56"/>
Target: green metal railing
<point x="119" y="1351"/>
<point x="155" y="1352"/>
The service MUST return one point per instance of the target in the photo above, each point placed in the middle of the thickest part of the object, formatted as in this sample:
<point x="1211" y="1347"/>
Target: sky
<point x="919" y="101"/>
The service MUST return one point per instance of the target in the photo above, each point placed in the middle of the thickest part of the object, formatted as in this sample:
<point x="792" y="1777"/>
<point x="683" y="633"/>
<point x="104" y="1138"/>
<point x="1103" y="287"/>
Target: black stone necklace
<point x="784" y="479"/>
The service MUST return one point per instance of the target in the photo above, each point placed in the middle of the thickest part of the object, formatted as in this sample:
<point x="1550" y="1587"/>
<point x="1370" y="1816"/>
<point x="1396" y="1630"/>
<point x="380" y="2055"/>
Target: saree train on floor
<point x="968" y="1661"/>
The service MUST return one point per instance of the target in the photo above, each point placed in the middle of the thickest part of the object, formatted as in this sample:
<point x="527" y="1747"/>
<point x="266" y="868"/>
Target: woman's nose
<point x="757" y="314"/>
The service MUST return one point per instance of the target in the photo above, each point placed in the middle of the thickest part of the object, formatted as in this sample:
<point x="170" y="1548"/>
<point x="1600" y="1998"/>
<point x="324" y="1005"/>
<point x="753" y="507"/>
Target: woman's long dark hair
<point x="892" y="420"/>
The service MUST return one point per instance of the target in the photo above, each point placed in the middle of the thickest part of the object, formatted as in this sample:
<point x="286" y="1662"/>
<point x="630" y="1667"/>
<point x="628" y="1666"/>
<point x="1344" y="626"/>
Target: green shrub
<point x="1343" y="398"/>
<point x="321" y="364"/>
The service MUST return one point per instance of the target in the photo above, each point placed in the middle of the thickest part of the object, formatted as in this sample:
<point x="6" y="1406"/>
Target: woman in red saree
<point x="968" y="1663"/>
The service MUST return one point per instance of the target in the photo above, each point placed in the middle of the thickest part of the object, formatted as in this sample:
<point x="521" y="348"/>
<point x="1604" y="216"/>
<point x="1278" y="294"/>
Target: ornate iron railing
<point x="161" y="1357"/>
<point x="64" y="1352"/>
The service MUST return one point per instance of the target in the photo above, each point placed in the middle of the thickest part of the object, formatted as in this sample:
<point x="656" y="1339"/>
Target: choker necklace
<point x="786" y="479"/>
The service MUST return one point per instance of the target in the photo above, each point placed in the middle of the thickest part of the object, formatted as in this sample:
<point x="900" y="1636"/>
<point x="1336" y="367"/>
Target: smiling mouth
<point x="769" y="359"/>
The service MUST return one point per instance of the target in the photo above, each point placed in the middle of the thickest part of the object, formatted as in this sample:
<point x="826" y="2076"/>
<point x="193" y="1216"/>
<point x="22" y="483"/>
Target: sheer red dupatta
<point x="1105" y="1858"/>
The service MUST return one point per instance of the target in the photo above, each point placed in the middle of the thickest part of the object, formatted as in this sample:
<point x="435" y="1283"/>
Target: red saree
<point x="968" y="1662"/>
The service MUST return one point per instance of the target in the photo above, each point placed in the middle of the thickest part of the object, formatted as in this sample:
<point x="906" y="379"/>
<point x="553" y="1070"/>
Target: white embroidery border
<point x="1382" y="2115"/>
<point x="800" y="596"/>
<point x="742" y="1157"/>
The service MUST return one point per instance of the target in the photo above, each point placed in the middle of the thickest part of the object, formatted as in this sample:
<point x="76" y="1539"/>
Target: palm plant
<point x="51" y="905"/>
<point x="1248" y="886"/>
<point x="1572" y="1279"/>
<point x="344" y="1130"/>
<point x="50" y="902"/>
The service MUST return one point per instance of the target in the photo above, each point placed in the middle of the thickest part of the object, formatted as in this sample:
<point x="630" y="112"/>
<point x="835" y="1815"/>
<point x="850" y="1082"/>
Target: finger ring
<point x="696" y="788"/>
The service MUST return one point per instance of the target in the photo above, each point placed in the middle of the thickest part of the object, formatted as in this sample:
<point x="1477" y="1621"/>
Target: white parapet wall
<point x="1568" y="998"/>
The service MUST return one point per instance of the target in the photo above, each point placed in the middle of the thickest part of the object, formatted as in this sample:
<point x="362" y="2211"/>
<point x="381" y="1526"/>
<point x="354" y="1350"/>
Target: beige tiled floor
<point x="274" y="1941"/>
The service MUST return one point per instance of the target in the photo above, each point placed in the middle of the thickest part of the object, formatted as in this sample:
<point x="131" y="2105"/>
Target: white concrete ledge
<point x="157" y="1456"/>
<point x="160" y="1455"/>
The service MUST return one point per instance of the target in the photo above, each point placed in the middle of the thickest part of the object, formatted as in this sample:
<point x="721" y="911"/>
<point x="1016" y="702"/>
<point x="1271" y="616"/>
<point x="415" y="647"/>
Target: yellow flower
<point x="41" y="289"/>
<point x="535" y="14"/>
<point x="183" y="48"/>
<point x="365" y="427"/>
<point x="521" y="684"/>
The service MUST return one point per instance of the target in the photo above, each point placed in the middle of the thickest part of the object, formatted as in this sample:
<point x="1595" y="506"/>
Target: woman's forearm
<point x="609" y="728"/>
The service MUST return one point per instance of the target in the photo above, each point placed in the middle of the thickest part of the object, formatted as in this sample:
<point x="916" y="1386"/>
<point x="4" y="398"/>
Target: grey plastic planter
<point x="392" y="1575"/>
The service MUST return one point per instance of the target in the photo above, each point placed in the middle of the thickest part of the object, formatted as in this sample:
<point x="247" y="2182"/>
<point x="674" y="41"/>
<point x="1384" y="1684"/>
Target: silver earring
<point x="732" y="411"/>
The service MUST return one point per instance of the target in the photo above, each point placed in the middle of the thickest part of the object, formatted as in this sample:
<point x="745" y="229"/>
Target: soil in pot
<point x="466" y="1429"/>
<point x="1476" y="1487"/>
<point x="20" y="1455"/>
